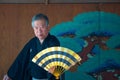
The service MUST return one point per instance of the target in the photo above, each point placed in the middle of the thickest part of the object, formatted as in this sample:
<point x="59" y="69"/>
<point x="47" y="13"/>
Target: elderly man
<point x="23" y="68"/>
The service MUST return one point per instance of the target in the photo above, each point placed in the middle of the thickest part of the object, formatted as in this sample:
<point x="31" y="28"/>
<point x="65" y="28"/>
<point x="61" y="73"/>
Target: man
<point x="23" y="68"/>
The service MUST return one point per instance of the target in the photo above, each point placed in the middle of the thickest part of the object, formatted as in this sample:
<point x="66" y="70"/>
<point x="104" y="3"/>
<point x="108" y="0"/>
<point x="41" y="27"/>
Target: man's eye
<point x="43" y="26"/>
<point x="36" y="27"/>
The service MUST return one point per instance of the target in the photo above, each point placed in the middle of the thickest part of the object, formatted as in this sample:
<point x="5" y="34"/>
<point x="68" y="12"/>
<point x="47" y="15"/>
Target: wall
<point x="15" y="24"/>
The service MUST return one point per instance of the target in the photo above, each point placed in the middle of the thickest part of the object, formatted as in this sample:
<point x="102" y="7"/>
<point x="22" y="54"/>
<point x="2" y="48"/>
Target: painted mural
<point x="95" y="36"/>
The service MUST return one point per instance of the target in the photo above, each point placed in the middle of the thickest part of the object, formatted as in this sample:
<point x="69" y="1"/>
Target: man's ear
<point x="48" y="27"/>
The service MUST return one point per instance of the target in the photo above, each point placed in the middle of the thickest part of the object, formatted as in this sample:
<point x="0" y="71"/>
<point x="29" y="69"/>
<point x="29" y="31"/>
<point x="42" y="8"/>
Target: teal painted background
<point x="95" y="36"/>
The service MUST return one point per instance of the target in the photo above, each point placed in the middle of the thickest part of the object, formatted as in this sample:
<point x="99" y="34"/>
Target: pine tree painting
<point x="95" y="36"/>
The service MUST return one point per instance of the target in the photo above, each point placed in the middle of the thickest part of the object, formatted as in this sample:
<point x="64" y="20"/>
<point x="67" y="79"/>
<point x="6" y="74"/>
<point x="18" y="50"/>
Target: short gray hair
<point x="39" y="17"/>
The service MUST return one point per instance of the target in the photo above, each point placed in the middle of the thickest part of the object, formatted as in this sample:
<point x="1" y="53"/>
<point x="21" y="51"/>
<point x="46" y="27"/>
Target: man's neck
<point x="41" y="41"/>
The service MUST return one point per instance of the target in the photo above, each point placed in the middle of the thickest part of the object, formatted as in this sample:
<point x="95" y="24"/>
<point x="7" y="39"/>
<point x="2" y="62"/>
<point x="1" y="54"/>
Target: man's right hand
<point x="6" y="77"/>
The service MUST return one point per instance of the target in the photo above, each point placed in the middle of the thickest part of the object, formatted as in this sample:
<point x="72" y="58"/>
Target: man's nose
<point x="40" y="29"/>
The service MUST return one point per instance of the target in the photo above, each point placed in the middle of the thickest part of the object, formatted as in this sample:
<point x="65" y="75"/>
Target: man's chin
<point x="41" y="38"/>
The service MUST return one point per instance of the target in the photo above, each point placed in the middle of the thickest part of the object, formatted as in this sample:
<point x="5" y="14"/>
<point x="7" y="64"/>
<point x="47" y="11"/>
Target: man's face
<point x="40" y="29"/>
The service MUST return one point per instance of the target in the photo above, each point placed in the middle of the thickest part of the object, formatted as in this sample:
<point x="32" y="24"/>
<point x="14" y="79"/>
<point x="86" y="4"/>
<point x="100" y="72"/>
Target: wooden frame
<point x="59" y="1"/>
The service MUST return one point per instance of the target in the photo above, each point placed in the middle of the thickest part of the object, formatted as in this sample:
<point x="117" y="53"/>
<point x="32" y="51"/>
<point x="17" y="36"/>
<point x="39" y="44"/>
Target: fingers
<point x="6" y="77"/>
<point x="51" y="70"/>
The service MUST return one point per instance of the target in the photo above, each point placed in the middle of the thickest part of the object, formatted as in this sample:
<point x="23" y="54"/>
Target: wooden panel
<point x="115" y="8"/>
<point x="58" y="1"/>
<point x="15" y="24"/>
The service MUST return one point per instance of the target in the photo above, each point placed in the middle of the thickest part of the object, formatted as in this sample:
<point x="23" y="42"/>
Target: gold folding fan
<point x="56" y="60"/>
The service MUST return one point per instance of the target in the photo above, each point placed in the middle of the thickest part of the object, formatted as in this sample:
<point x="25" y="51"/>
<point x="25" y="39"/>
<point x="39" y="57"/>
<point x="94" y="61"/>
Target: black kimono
<point x="24" y="69"/>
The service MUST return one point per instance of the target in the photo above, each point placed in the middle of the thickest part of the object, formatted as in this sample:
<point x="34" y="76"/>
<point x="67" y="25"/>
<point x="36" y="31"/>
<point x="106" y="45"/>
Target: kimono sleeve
<point x="19" y="66"/>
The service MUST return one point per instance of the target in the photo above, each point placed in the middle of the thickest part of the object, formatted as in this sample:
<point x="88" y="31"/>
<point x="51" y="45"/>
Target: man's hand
<point x="6" y="77"/>
<point x="51" y="70"/>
